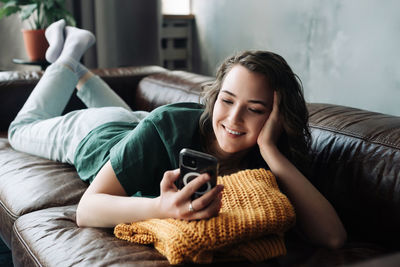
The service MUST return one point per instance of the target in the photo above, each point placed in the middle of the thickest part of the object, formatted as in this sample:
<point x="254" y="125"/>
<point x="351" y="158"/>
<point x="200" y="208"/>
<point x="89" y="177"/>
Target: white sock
<point x="77" y="41"/>
<point x="55" y="36"/>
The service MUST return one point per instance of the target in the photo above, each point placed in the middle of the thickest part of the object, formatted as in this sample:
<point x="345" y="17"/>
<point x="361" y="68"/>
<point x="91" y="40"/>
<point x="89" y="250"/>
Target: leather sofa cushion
<point x="54" y="240"/>
<point x="30" y="183"/>
<point x="50" y="237"/>
<point x="169" y="87"/>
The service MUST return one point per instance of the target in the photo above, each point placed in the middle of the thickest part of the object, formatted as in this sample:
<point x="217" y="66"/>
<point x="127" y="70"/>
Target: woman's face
<point x="241" y="109"/>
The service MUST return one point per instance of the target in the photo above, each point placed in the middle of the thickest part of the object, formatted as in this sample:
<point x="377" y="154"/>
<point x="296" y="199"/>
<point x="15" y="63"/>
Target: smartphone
<point x="192" y="163"/>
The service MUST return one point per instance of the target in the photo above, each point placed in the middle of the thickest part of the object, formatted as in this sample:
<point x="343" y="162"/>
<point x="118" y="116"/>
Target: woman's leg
<point x="67" y="45"/>
<point x="38" y="127"/>
<point x="94" y="92"/>
<point x="84" y="121"/>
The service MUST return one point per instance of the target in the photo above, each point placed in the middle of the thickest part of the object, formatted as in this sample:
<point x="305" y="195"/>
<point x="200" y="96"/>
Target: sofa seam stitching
<point x="27" y="248"/>
<point x="13" y="215"/>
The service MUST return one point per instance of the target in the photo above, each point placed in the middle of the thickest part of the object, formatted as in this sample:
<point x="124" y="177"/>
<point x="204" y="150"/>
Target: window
<point x="176" y="7"/>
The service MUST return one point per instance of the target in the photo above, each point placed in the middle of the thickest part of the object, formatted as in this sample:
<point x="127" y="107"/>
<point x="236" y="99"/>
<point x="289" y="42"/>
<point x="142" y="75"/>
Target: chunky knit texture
<point x="250" y="225"/>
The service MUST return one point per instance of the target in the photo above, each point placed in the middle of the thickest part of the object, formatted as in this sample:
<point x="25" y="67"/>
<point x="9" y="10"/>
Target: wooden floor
<point x="5" y="255"/>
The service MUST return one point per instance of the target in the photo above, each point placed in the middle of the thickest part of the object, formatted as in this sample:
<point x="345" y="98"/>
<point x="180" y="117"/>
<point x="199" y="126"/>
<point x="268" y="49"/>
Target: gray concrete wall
<point x="12" y="44"/>
<point x="345" y="51"/>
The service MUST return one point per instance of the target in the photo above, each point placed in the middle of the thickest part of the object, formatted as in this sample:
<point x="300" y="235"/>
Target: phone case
<point x="192" y="163"/>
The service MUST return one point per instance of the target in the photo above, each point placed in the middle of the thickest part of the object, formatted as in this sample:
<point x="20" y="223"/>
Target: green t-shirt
<point x="140" y="153"/>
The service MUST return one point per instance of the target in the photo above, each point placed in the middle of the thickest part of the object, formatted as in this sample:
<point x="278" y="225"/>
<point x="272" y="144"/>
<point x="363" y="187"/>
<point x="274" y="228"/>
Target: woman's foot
<point x="55" y="36"/>
<point x="77" y="41"/>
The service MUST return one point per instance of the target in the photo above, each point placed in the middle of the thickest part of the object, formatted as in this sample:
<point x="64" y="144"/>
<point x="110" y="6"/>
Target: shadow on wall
<point x="128" y="32"/>
<point x="196" y="53"/>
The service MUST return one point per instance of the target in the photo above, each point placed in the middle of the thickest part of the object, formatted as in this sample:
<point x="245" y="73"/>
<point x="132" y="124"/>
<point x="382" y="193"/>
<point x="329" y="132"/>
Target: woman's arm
<point x="316" y="217"/>
<point x="105" y="203"/>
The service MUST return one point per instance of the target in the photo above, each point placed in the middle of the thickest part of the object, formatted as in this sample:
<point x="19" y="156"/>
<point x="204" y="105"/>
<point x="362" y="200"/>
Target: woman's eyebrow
<point x="251" y="100"/>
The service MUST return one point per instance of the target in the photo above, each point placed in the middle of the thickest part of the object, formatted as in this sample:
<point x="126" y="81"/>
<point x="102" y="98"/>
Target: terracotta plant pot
<point x="35" y="44"/>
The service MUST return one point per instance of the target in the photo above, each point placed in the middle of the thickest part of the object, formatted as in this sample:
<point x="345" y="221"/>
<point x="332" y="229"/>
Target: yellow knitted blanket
<point x="251" y="223"/>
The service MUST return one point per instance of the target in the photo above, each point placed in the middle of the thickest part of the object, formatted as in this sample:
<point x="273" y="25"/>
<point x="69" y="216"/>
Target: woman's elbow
<point x="80" y="216"/>
<point x="337" y="241"/>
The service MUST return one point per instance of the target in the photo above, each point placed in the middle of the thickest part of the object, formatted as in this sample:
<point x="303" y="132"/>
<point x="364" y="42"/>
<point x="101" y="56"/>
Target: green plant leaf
<point x="28" y="10"/>
<point x="8" y="9"/>
<point x="48" y="5"/>
<point x="70" y="20"/>
<point x="39" y="12"/>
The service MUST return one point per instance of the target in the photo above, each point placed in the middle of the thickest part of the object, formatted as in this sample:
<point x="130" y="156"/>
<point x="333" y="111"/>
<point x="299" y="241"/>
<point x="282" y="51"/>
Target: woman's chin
<point x="229" y="151"/>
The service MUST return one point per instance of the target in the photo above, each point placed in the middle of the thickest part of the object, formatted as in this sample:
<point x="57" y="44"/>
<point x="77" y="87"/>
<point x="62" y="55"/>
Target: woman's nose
<point x="236" y="114"/>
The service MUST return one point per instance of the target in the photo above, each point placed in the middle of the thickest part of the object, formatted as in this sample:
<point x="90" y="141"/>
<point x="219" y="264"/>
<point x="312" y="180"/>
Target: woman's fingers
<point x="177" y="203"/>
<point x="168" y="181"/>
<point x="275" y="109"/>
<point x="211" y="210"/>
<point x="277" y="99"/>
<point x="272" y="128"/>
<point x="206" y="206"/>
<point x="205" y="200"/>
<point x="194" y="185"/>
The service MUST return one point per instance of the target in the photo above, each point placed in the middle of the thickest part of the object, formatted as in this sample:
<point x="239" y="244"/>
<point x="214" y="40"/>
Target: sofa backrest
<point x="169" y="87"/>
<point x="356" y="165"/>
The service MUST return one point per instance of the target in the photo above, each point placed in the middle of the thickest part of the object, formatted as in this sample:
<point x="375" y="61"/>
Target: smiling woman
<point x="264" y="72"/>
<point x="255" y="118"/>
<point x="241" y="110"/>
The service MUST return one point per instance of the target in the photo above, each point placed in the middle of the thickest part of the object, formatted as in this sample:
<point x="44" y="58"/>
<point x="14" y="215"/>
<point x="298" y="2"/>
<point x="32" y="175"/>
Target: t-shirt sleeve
<point x="140" y="160"/>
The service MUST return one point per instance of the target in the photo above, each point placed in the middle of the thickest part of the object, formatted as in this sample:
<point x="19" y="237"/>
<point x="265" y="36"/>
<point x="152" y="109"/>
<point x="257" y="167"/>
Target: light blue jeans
<point x="40" y="129"/>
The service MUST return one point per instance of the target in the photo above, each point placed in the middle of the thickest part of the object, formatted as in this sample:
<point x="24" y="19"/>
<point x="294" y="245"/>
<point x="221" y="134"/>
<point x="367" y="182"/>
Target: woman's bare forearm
<point x="106" y="204"/>
<point x="104" y="210"/>
<point x="316" y="217"/>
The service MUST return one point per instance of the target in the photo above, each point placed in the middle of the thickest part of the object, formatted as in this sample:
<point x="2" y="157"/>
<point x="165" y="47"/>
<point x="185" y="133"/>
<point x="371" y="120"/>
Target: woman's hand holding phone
<point x="175" y="203"/>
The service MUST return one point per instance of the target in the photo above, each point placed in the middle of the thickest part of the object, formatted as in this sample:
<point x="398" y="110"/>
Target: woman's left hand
<point x="272" y="128"/>
<point x="174" y="203"/>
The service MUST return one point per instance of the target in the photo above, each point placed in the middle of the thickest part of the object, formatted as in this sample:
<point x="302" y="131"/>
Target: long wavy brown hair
<point x="295" y="140"/>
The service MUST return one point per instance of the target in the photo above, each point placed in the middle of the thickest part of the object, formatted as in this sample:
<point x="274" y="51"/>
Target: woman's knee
<point x="17" y="130"/>
<point x="12" y="129"/>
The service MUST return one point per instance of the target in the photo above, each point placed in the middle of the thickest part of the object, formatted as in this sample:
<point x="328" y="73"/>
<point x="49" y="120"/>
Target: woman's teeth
<point x="232" y="131"/>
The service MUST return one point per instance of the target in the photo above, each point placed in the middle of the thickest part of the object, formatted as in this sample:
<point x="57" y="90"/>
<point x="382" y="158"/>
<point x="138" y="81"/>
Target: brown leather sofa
<point x="356" y="165"/>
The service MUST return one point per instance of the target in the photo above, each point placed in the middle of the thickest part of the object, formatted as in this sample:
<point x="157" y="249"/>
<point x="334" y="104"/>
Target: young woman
<point x="254" y="116"/>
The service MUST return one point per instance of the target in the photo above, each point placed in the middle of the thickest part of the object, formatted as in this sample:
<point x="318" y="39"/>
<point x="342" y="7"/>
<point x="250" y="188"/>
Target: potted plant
<point x="39" y="15"/>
